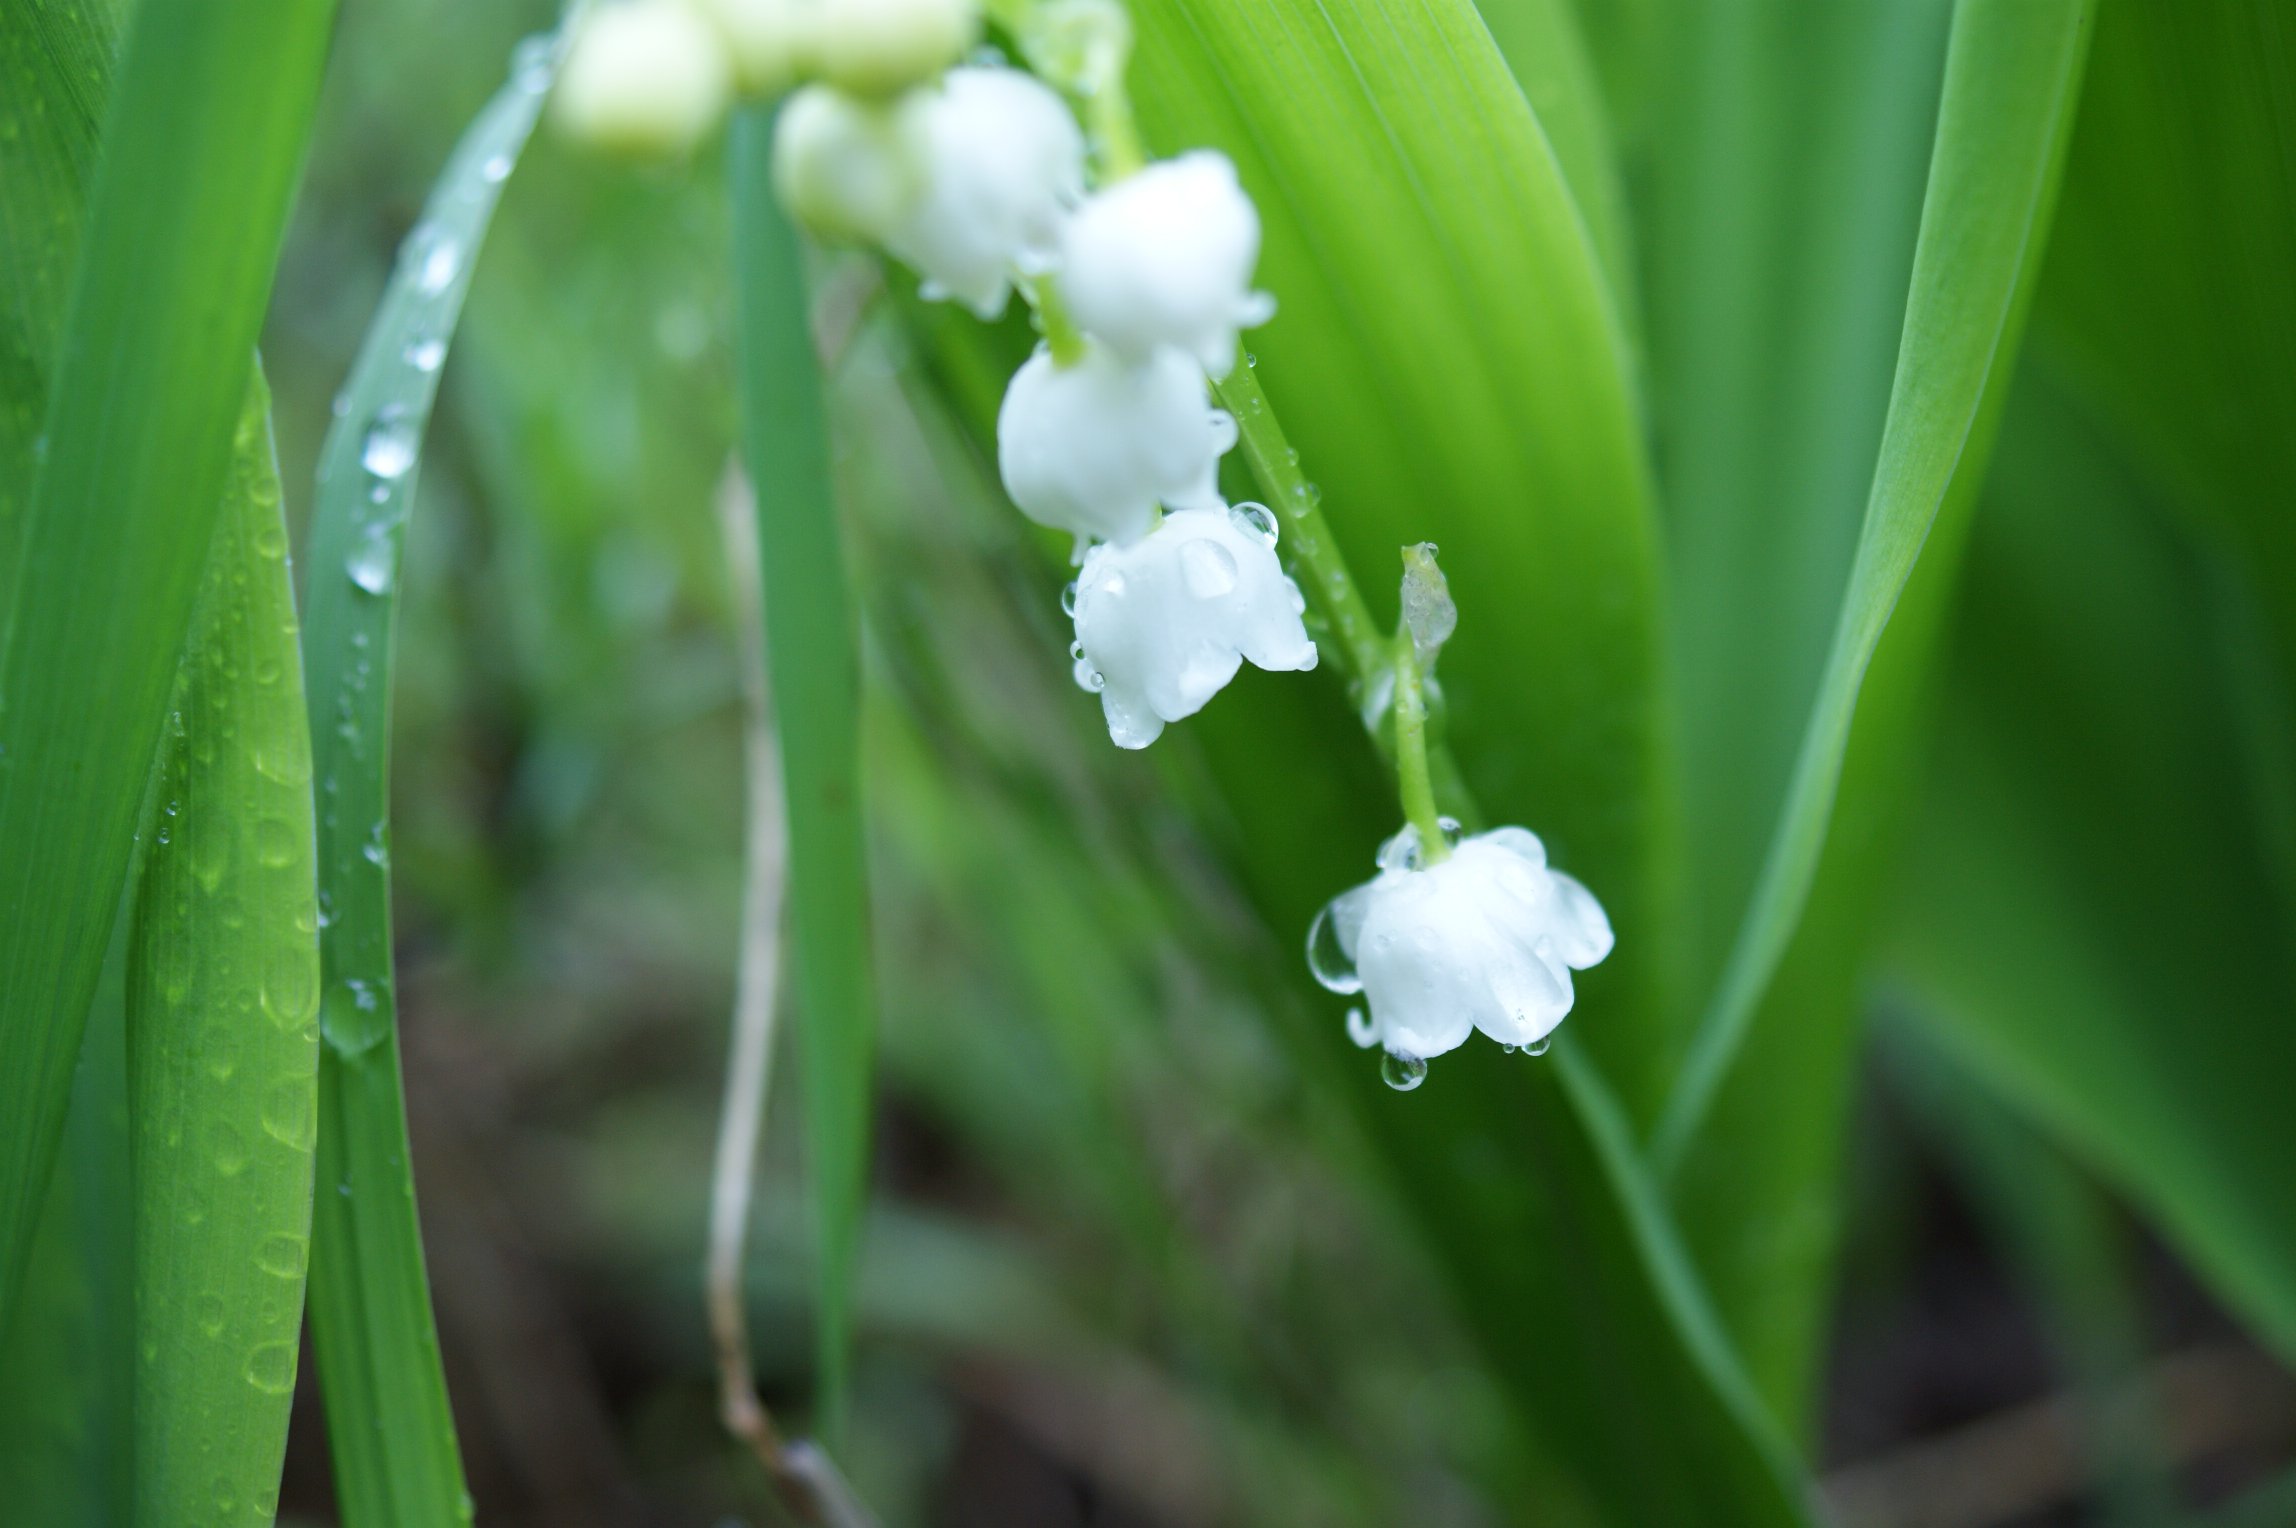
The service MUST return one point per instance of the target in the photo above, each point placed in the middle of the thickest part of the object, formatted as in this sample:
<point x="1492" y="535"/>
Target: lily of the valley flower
<point x="1093" y="447"/>
<point x="882" y="47"/>
<point x="1165" y="257"/>
<point x="1163" y="624"/>
<point x="648" y="79"/>
<point x="1485" y="939"/>
<point x="966" y="180"/>
<point x="998" y="161"/>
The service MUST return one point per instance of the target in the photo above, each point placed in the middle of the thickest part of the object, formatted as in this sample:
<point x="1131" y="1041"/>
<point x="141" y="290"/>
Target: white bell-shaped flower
<point x="1093" y="448"/>
<point x="1165" y="257"/>
<point x="998" y="160"/>
<point x="650" y="79"/>
<point x="1163" y="624"/>
<point x="769" y="41"/>
<point x="1485" y="939"/>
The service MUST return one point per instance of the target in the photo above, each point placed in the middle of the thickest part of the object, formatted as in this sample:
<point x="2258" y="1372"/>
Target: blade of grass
<point x="201" y="149"/>
<point x="388" y="1421"/>
<point x="2012" y="77"/>
<point x="812" y="654"/>
<point x="223" y="1038"/>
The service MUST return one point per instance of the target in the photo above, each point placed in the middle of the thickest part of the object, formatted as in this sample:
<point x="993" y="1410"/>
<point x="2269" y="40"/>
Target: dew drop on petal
<point x="1208" y="568"/>
<point x="1327" y="961"/>
<point x="1402" y="1073"/>
<point x="424" y="354"/>
<point x="1068" y="600"/>
<point x="1539" y="1046"/>
<point x="1258" y="519"/>
<point x="1089" y="678"/>
<point x="1223" y="432"/>
<point x="1361" y="1030"/>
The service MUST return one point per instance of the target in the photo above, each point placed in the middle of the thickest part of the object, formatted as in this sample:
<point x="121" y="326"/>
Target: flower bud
<point x="883" y="47"/>
<point x="769" y="41"/>
<point x="650" y="79"/>
<point x="999" y="161"/>
<point x="1162" y="625"/>
<point x="840" y="165"/>
<point x="1165" y="257"/>
<point x="1094" y="447"/>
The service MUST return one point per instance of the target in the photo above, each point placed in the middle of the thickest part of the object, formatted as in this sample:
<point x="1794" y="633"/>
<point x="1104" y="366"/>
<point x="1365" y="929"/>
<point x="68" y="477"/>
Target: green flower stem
<point x="1307" y="540"/>
<point x="1413" y="782"/>
<point x="1052" y="321"/>
<point x="1115" y="135"/>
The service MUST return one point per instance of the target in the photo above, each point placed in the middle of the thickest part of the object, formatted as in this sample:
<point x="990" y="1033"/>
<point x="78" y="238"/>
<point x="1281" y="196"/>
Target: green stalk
<point x="388" y="1421"/>
<point x="200" y="153"/>
<point x="1412" y="780"/>
<point x="813" y="659"/>
<point x="1307" y="541"/>
<point x="223" y="999"/>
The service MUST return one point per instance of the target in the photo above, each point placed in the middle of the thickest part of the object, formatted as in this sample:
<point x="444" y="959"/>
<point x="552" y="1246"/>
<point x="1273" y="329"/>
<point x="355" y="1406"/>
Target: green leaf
<point x="67" y="1358"/>
<point x="2168" y="295"/>
<point x="223" y="1038"/>
<point x="55" y="70"/>
<point x="2012" y="78"/>
<point x="388" y="1421"/>
<point x="813" y="664"/>
<point x="2090" y="920"/>
<point x="1541" y="43"/>
<point x="183" y="227"/>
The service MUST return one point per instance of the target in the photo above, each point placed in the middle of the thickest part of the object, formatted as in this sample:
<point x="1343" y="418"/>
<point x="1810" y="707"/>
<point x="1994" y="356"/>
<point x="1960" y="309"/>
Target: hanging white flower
<point x="649" y="78"/>
<point x="1093" y="448"/>
<point x="998" y="160"/>
<point x="1486" y="939"/>
<point x="1165" y="257"/>
<point x="1163" y="624"/>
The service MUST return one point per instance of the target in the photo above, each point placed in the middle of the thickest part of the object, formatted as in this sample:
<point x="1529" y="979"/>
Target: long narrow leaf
<point x="2012" y="80"/>
<point x="223" y="1038"/>
<point x="200" y="155"/>
<point x="392" y="1433"/>
<point x="813" y="658"/>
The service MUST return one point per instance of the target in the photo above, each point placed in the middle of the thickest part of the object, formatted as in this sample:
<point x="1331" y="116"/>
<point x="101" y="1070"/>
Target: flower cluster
<point x="980" y="177"/>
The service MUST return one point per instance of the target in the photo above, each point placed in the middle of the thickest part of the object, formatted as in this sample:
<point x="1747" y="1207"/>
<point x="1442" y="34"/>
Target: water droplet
<point x="290" y="983"/>
<point x="341" y="407"/>
<point x="1451" y="830"/>
<point x="230" y="1151"/>
<point x="1361" y="1030"/>
<point x="390" y="445"/>
<point x="226" y="1499"/>
<point x="425" y="354"/>
<point x="283" y="1255"/>
<point x="1402" y="1073"/>
<point x="271" y="1368"/>
<point x="1068" y="600"/>
<point x="1257" y="519"/>
<point x="377" y="850"/>
<point x="275" y="842"/>
<point x="373" y="564"/>
<point x="1327" y="961"/>
<point x="1208" y="568"/>
<point x="287" y="1114"/>
<point x="208" y="1311"/>
<point x="1076" y="652"/>
<point x="496" y="170"/>
<point x="1250" y="359"/>
<point x="1087" y="677"/>
<point x="1540" y="1046"/>
<point x="437" y="260"/>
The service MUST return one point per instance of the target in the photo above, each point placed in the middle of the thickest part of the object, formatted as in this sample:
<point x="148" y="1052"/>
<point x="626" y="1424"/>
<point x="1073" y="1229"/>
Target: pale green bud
<point x="883" y="47"/>
<point x="841" y="166"/>
<point x="650" y="79"/>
